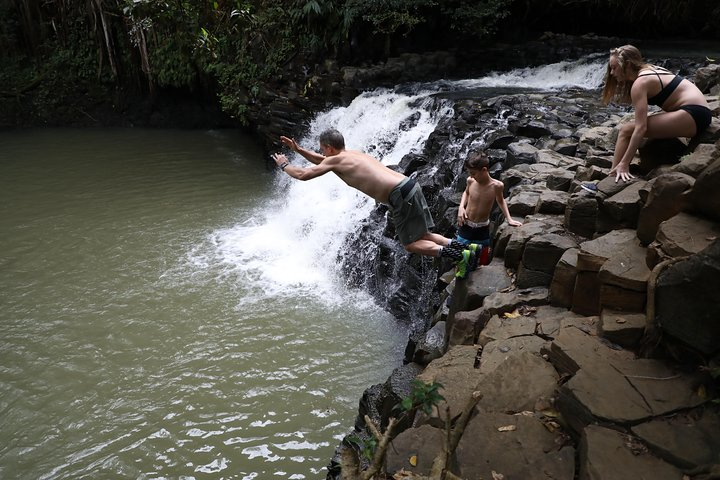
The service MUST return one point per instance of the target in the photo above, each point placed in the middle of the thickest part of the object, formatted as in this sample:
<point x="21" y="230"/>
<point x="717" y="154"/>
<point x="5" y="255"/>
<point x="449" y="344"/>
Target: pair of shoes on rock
<point x="468" y="262"/>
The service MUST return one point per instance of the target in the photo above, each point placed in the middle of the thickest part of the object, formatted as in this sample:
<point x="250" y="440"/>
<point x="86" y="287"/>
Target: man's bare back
<point x="363" y="172"/>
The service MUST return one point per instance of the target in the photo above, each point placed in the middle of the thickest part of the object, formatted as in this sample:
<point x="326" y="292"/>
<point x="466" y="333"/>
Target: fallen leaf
<point x="403" y="474"/>
<point x="507" y="428"/>
<point x="413" y="460"/>
<point x="552" y="413"/>
<point x="514" y="314"/>
<point x="702" y="393"/>
<point x="497" y="476"/>
<point x="552" y="426"/>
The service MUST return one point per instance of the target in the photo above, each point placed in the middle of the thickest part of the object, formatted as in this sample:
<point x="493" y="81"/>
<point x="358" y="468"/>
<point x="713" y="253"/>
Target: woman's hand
<point x="621" y="172"/>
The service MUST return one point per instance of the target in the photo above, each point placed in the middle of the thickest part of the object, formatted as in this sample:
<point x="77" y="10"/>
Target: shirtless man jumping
<point x="480" y="195"/>
<point x="361" y="171"/>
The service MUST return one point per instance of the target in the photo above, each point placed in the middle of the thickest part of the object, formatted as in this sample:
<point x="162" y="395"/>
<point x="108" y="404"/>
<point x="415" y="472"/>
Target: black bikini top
<point x="666" y="91"/>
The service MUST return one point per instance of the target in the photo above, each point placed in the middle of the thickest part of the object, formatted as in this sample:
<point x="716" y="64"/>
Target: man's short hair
<point x="477" y="160"/>
<point x="332" y="138"/>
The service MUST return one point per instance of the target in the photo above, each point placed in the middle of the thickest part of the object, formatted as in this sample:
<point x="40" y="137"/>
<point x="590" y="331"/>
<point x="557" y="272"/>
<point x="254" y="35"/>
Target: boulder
<point x="562" y="285"/>
<point x="581" y="214"/>
<point x="620" y="210"/>
<point x="707" y="77"/>
<point x="552" y="202"/>
<point x="686" y="305"/>
<point x="696" y="162"/>
<point x="705" y="195"/>
<point x="519" y="153"/>
<point x="624" y="278"/>
<point x="684" y="235"/>
<point x="517" y="237"/>
<point x="663" y="198"/>
<point x="523" y="202"/>
<point x="470" y="292"/>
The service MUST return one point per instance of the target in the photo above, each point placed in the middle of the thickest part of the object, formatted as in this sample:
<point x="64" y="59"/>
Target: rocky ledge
<point x="594" y="333"/>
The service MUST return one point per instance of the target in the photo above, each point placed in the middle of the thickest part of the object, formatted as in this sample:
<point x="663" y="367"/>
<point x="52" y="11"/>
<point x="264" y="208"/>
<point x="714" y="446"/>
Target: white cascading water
<point x="290" y="247"/>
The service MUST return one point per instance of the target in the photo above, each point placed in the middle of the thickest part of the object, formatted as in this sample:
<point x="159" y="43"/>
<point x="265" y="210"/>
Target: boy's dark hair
<point x="332" y="138"/>
<point x="477" y="160"/>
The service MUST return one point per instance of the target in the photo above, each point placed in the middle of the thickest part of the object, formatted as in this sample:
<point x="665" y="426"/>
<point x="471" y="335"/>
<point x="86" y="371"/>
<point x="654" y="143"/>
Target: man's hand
<point x="290" y="143"/>
<point x="514" y="223"/>
<point x="280" y="159"/>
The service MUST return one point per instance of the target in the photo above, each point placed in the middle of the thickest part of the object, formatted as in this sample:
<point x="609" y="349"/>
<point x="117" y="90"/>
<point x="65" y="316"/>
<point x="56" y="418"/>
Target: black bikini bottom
<point x="701" y="114"/>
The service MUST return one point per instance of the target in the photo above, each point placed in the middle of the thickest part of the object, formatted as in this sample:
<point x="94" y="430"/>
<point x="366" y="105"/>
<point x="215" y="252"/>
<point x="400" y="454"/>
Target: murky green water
<point x="153" y="326"/>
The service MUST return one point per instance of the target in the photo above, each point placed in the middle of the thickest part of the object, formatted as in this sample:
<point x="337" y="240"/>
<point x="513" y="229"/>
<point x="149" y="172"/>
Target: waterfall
<point x="292" y="245"/>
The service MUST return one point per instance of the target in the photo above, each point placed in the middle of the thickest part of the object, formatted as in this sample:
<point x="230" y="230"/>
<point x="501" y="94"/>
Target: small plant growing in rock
<point x="423" y="397"/>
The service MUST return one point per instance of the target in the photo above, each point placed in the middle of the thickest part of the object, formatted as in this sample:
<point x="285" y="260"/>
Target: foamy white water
<point x="586" y="73"/>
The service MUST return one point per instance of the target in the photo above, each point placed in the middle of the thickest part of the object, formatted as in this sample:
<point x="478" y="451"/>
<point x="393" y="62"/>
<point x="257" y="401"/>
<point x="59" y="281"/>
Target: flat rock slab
<point x="685" y="234"/>
<point x="464" y="327"/>
<point x="606" y="454"/>
<point x="415" y="449"/>
<point x="497" y="351"/>
<point x="688" y="441"/>
<point x="515" y="446"/>
<point x="574" y="349"/>
<point x="594" y="253"/>
<point x="664" y="388"/>
<point x="502" y="328"/>
<point x="622" y="328"/>
<point x="518" y="384"/>
<point x="457" y="373"/>
<point x="626" y="268"/>
<point x="626" y="393"/>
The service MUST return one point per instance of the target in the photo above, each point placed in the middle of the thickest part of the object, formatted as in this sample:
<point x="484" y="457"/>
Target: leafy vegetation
<point x="236" y="47"/>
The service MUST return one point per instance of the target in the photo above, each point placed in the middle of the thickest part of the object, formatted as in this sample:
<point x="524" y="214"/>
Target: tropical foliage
<point x="234" y="47"/>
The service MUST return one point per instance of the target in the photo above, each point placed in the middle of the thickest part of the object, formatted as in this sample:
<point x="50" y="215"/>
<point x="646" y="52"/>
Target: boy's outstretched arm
<point x="503" y="206"/>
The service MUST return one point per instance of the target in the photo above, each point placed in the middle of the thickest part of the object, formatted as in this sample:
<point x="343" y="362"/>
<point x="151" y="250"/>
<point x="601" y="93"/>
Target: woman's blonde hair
<point x="629" y="58"/>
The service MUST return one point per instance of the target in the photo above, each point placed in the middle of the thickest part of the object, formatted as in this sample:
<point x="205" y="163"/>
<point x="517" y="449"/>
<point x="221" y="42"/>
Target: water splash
<point x="290" y="246"/>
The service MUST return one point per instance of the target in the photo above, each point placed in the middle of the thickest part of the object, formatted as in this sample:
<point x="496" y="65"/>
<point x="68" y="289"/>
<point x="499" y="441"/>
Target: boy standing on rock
<point x="408" y="206"/>
<point x="476" y="204"/>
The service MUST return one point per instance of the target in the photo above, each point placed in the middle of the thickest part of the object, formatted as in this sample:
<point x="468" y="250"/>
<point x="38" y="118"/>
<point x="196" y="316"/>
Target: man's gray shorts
<point x="410" y="211"/>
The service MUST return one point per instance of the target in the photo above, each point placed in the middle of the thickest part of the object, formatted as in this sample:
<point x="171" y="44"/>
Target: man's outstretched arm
<point x="309" y="155"/>
<point x="299" y="172"/>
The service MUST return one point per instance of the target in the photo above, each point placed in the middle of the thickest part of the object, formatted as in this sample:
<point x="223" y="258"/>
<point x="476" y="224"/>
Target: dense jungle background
<point x="116" y="62"/>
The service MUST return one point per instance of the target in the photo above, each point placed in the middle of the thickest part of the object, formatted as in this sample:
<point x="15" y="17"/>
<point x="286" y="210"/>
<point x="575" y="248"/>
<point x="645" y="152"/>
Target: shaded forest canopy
<point x="227" y="50"/>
